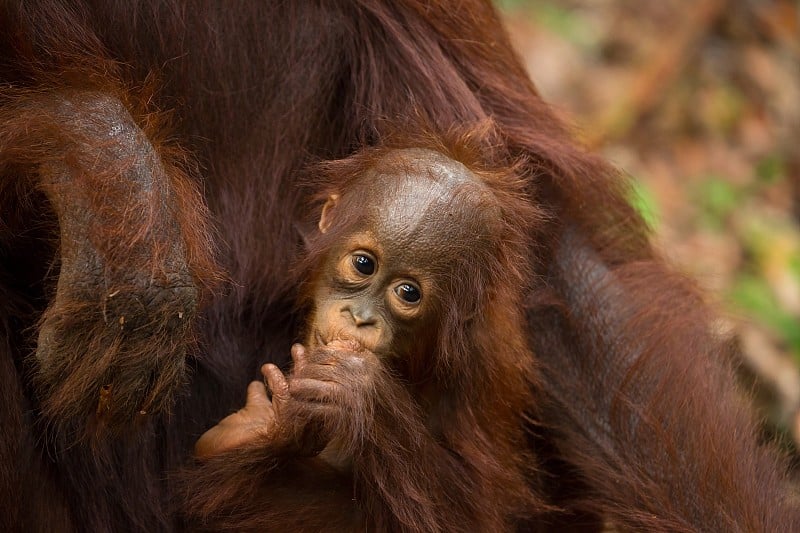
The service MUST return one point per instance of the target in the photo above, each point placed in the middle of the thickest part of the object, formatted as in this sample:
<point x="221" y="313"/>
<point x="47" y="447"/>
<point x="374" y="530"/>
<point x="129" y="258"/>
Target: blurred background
<point x="698" y="101"/>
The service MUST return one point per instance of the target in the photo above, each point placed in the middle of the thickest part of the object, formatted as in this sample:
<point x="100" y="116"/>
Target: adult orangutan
<point x="147" y="146"/>
<point x="415" y="312"/>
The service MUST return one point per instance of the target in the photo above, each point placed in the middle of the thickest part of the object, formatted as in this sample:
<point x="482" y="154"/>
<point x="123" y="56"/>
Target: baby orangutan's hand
<point x="251" y="423"/>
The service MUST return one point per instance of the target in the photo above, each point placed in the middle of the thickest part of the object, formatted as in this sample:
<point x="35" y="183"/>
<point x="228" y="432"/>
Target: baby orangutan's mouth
<point x="350" y="345"/>
<point x="335" y="342"/>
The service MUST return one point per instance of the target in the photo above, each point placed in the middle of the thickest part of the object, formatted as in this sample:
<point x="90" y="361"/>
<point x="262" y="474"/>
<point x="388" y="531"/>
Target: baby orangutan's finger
<point x="257" y="395"/>
<point x="313" y="390"/>
<point x="299" y="358"/>
<point x="249" y="424"/>
<point x="277" y="384"/>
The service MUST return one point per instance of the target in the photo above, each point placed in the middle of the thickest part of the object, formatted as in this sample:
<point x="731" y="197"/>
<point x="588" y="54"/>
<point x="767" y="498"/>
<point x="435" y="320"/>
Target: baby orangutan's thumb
<point x="257" y="395"/>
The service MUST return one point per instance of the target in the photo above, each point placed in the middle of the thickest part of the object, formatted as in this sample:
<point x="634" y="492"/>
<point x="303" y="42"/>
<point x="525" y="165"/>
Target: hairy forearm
<point x="133" y="255"/>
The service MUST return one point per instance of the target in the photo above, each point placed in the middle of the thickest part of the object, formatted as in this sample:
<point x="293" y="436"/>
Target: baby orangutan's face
<point x="368" y="296"/>
<point x="413" y="220"/>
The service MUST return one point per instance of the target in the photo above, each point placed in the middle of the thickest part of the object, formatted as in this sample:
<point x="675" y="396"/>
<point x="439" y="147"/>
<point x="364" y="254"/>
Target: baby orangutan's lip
<point x="337" y="343"/>
<point x="350" y="345"/>
<point x="345" y="344"/>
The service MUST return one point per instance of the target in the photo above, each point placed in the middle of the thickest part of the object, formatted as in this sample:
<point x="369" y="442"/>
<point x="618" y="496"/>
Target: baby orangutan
<point x="408" y="397"/>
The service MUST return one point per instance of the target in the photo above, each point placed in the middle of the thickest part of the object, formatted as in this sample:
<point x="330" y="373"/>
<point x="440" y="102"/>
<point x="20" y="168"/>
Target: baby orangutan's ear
<point x="326" y="217"/>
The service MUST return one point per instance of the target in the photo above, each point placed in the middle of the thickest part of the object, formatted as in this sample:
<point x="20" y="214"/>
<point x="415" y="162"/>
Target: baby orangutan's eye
<point x="408" y="293"/>
<point x="364" y="264"/>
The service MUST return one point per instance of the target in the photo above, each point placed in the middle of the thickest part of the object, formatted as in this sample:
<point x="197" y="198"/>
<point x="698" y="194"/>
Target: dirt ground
<point x="698" y="101"/>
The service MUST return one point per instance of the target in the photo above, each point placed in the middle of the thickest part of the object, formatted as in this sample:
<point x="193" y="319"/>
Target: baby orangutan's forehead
<point x="431" y="212"/>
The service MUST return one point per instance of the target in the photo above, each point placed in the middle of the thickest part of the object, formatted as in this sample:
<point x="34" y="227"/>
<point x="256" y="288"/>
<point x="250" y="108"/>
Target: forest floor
<point x="698" y="102"/>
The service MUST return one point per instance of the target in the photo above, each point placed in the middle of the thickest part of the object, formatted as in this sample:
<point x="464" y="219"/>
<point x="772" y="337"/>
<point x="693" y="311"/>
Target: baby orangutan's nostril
<point x="361" y="316"/>
<point x="361" y="320"/>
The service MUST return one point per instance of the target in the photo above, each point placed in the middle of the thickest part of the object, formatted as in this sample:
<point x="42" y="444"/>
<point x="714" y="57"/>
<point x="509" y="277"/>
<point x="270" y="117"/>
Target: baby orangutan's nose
<point x="362" y="324"/>
<point x="361" y="316"/>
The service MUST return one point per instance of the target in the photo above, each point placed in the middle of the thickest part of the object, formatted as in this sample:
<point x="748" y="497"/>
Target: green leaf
<point x="753" y="296"/>
<point x="716" y="199"/>
<point x="771" y="169"/>
<point x="564" y="22"/>
<point x="644" y="202"/>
